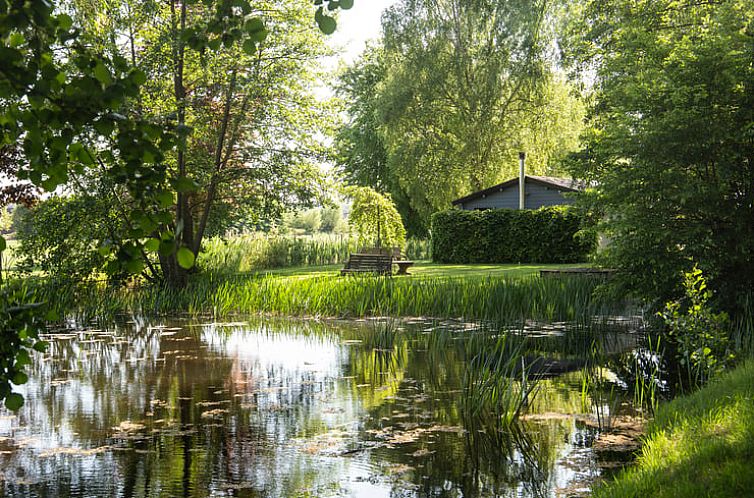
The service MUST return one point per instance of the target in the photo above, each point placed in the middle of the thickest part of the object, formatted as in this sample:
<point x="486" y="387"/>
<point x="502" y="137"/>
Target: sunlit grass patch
<point x="698" y="445"/>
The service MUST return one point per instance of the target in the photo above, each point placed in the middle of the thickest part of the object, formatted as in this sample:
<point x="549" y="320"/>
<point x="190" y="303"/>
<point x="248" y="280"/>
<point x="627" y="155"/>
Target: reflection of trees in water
<point x="415" y="371"/>
<point x="488" y="459"/>
<point x="175" y="379"/>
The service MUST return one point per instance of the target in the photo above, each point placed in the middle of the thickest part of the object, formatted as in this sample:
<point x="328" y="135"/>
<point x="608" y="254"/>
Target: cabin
<point x="538" y="191"/>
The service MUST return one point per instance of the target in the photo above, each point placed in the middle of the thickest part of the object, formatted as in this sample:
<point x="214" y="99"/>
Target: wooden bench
<point x="403" y="266"/>
<point x="382" y="264"/>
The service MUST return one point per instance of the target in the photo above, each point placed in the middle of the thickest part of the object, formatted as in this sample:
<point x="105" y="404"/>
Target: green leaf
<point x="102" y="74"/>
<point x="14" y="401"/>
<point x="3" y="244"/>
<point x="152" y="245"/>
<point x="40" y="346"/>
<point x="64" y="22"/>
<point x="16" y="39"/>
<point x="135" y="266"/>
<point x="138" y="77"/>
<point x="346" y="4"/>
<point x="259" y="36"/>
<point x="184" y="184"/>
<point x="254" y="25"/>
<point x="249" y="46"/>
<point x="327" y="24"/>
<point x="20" y="378"/>
<point x="185" y="258"/>
<point x="165" y="199"/>
<point x="22" y="358"/>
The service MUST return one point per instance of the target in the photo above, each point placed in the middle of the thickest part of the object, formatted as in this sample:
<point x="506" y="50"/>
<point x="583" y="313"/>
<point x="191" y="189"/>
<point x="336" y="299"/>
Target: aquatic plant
<point x="498" y="299"/>
<point x="497" y="384"/>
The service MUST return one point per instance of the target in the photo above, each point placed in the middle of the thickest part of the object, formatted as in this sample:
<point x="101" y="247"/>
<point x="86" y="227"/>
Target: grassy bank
<point x="698" y="445"/>
<point x="502" y="298"/>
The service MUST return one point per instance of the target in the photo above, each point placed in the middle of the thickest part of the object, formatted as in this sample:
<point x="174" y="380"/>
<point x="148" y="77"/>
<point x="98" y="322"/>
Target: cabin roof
<point x="566" y="184"/>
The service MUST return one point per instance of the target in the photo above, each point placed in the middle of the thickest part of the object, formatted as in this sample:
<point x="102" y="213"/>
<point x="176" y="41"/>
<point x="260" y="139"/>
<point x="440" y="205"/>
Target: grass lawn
<point x="428" y="269"/>
<point x="700" y="445"/>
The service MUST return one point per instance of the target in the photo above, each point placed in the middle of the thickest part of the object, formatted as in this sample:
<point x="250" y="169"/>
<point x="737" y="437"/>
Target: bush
<point x="61" y="236"/>
<point x="545" y="235"/>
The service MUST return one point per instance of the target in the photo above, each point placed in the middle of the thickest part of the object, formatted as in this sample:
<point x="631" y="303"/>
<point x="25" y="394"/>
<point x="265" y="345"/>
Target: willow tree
<point x="452" y="93"/>
<point x="374" y="219"/>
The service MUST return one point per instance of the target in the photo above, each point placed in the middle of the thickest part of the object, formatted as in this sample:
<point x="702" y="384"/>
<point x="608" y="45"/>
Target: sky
<point x="358" y="25"/>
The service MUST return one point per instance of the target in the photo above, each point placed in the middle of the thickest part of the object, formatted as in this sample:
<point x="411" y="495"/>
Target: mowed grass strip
<point x="424" y="269"/>
<point x="701" y="445"/>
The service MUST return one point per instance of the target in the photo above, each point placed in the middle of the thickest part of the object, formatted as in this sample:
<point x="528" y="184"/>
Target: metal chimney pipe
<point x="522" y="180"/>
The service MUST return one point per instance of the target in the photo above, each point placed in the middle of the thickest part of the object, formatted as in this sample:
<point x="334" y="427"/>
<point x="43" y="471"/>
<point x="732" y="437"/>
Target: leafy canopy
<point x="444" y="103"/>
<point x="672" y="145"/>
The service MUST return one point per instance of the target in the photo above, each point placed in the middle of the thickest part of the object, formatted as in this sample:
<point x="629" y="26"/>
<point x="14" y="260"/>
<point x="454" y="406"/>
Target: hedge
<point x="545" y="235"/>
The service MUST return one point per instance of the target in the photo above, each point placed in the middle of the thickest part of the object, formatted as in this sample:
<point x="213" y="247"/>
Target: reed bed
<point x="499" y="299"/>
<point x="261" y="251"/>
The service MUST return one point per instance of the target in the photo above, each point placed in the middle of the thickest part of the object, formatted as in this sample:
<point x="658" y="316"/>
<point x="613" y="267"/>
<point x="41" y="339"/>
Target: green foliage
<point x="700" y="335"/>
<point x="60" y="235"/>
<point x="545" y="235"/>
<point x="70" y="97"/>
<point x="308" y="221"/>
<point x="374" y="219"/>
<point x="21" y="322"/>
<point x="331" y="220"/>
<point x="442" y="106"/>
<point x="671" y="145"/>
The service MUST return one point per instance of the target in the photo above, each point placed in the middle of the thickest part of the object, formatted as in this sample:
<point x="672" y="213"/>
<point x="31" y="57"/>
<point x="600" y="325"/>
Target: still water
<point x="268" y="408"/>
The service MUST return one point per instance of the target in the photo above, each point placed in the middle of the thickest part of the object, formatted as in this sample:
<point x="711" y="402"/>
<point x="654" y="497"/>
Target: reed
<point x="497" y="384"/>
<point x="498" y="299"/>
<point x="255" y="252"/>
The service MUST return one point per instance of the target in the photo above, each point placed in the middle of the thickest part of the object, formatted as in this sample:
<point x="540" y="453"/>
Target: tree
<point x="672" y="148"/>
<point x="60" y="236"/>
<point x="331" y="219"/>
<point x="74" y="108"/>
<point x="374" y="219"/>
<point x="451" y="95"/>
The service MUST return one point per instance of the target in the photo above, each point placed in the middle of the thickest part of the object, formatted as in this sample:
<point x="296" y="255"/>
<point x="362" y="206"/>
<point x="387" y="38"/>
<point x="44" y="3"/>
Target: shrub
<point x="545" y="235"/>
<point x="700" y="334"/>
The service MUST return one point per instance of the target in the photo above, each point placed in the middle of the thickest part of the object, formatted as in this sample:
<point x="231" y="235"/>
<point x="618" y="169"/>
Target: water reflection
<point x="276" y="408"/>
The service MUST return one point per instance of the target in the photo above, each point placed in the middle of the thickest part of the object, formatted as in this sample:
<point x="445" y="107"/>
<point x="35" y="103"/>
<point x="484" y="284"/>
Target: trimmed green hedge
<point x="545" y="235"/>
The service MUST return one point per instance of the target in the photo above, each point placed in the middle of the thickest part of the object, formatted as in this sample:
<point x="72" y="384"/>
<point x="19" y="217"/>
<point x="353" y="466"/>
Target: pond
<point x="268" y="408"/>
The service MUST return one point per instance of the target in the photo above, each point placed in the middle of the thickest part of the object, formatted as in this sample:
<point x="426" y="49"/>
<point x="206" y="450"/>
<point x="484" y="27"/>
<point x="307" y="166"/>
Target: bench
<point x="403" y="266"/>
<point x="382" y="264"/>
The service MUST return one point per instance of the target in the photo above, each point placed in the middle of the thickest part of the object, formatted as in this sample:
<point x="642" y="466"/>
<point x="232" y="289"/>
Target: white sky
<point x="357" y="25"/>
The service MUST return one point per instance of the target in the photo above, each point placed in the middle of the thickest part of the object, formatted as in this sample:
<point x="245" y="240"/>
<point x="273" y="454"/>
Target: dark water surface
<point x="272" y="408"/>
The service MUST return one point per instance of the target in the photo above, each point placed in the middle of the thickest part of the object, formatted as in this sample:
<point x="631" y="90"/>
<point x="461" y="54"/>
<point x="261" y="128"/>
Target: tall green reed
<point x="497" y="384"/>
<point x="260" y="251"/>
<point x="499" y="299"/>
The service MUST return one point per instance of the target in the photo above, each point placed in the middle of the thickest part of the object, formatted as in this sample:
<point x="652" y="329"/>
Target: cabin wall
<point x="537" y="196"/>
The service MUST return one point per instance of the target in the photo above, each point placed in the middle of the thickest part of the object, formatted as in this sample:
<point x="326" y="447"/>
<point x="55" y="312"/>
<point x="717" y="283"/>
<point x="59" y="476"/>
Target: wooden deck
<point x="584" y="272"/>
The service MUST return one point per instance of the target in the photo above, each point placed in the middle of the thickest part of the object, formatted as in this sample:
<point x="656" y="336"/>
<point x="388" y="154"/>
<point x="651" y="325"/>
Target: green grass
<point x="428" y="269"/>
<point x="701" y="445"/>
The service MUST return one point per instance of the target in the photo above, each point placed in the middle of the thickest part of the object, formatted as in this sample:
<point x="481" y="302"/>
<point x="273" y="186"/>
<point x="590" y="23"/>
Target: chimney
<point x="521" y="180"/>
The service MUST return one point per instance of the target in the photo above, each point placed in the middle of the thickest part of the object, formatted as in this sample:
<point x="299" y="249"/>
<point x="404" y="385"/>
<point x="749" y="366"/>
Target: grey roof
<point x="566" y="184"/>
